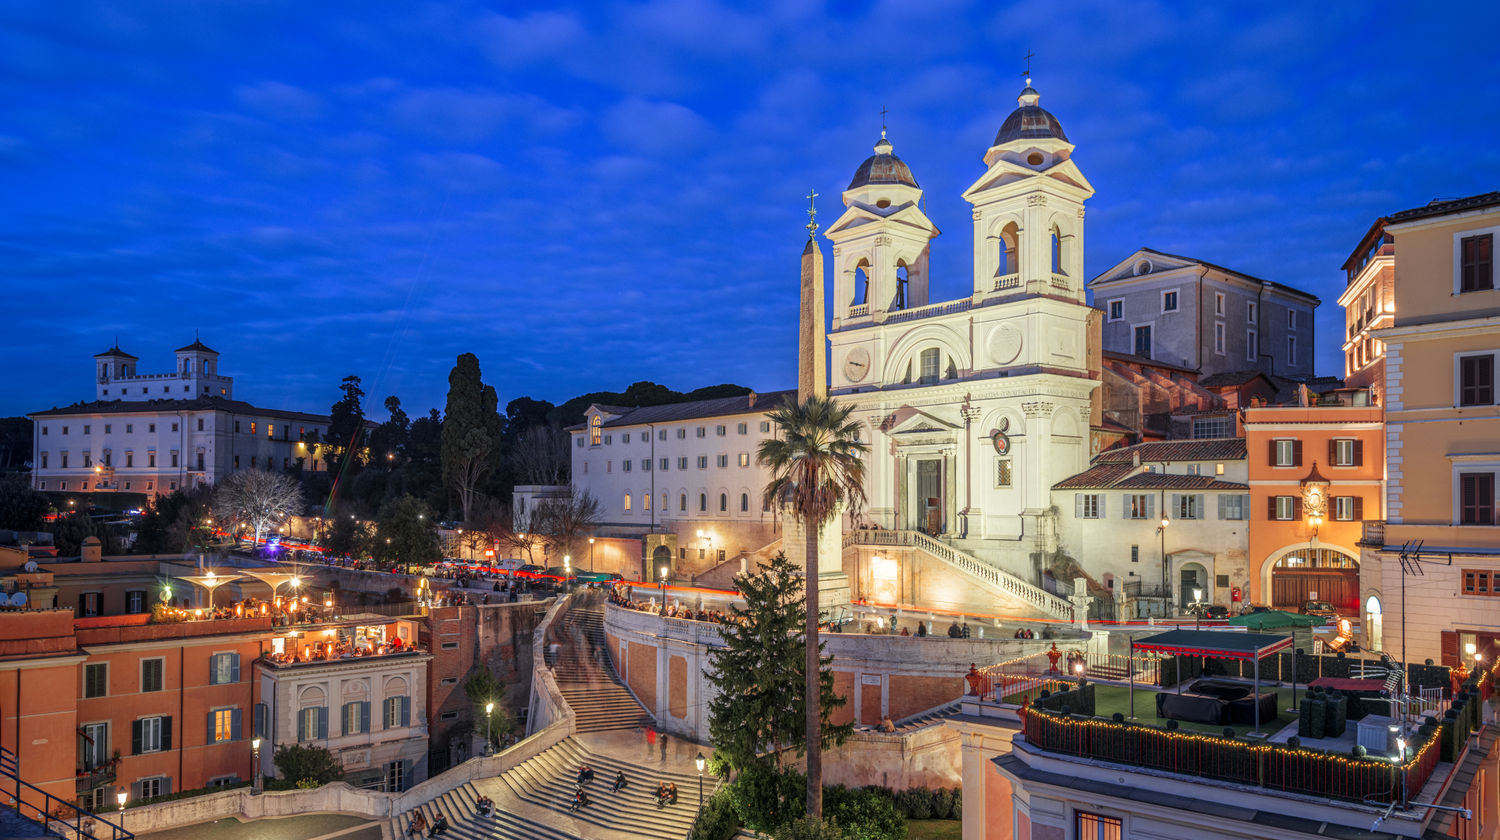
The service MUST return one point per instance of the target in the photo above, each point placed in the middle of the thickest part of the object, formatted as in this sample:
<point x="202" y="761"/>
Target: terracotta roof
<point x="1233" y="378"/>
<point x="159" y="406"/>
<point x="676" y="412"/>
<point x="1100" y="475"/>
<point x="1173" y="481"/>
<point x="1117" y="356"/>
<point x="1206" y="449"/>
<point x="1439" y="207"/>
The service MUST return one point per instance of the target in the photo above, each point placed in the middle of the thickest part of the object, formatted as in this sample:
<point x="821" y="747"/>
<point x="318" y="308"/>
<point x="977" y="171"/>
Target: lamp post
<point x="1161" y="530"/>
<point x="120" y="798"/>
<point x="255" y="787"/>
<point x="567" y="570"/>
<point x="591" y="554"/>
<point x="663" y="589"/>
<point x="489" y="709"/>
<point x="1197" y="608"/>
<point x="699" y="761"/>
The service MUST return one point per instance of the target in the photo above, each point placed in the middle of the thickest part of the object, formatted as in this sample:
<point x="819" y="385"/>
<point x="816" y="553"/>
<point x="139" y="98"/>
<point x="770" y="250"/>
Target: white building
<point x="1166" y="511"/>
<point x="136" y="439"/>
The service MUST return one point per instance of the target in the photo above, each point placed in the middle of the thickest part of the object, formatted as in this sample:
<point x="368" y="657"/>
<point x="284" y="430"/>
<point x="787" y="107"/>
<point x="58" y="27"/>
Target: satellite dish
<point x="18" y="599"/>
<point x="30" y="566"/>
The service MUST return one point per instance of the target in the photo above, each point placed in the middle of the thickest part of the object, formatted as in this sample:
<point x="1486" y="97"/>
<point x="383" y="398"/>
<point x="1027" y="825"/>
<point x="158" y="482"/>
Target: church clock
<point x="857" y="364"/>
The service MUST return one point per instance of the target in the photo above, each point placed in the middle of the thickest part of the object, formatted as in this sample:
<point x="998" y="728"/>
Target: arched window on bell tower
<point x="902" y="291"/>
<point x="1007" y="247"/>
<point x="861" y="283"/>
<point x="1057" y="251"/>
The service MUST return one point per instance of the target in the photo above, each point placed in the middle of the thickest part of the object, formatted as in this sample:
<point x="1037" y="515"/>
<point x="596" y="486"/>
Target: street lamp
<point x="664" y="589"/>
<point x="567" y="569"/>
<point x="489" y="709"/>
<point x="591" y="554"/>
<point x="1197" y="608"/>
<point x="699" y="761"/>
<point x="120" y="798"/>
<point x="1166" y="587"/>
<point x="255" y="758"/>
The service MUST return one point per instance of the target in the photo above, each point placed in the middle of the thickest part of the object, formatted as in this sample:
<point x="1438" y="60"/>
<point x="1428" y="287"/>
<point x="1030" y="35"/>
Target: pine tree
<point x="758" y="716"/>
<point x="471" y="432"/>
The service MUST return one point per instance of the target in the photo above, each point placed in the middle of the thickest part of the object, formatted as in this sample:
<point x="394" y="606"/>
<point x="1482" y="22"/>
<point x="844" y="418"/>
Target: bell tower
<point x="1028" y="208"/>
<point x="881" y="242"/>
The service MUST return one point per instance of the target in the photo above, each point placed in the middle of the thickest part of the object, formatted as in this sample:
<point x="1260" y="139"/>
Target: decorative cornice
<point x="1037" y="200"/>
<point x="1036" y="410"/>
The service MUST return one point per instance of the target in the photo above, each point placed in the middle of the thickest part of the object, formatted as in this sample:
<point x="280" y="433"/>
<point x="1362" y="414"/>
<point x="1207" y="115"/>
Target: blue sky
<point x="588" y="195"/>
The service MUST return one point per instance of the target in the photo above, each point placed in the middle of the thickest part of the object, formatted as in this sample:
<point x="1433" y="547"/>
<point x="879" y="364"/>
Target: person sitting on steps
<point x="417" y="825"/>
<point x="580" y="799"/>
<point x="620" y="782"/>
<point x="672" y="793"/>
<point x="661" y="795"/>
<point x="439" y="826"/>
<point x="485" y="805"/>
<point x="585" y="774"/>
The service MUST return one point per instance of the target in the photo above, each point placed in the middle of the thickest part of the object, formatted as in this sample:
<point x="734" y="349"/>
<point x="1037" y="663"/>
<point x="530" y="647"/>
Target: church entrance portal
<point x="929" y="496"/>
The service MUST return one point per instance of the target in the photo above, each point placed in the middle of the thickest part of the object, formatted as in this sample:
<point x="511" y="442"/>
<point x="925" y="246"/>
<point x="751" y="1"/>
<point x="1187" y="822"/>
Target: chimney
<point x="1135" y="459"/>
<point x="92" y="551"/>
<point x="752" y="395"/>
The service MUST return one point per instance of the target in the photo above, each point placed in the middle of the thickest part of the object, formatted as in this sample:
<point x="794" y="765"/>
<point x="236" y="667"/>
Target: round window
<point x="1035" y="158"/>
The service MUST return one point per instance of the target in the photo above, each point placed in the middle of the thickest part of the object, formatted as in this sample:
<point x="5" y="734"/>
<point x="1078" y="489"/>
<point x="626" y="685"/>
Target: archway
<point x="1192" y="576"/>
<point x="1372" y="623"/>
<point x="1318" y="573"/>
<point x="660" y="556"/>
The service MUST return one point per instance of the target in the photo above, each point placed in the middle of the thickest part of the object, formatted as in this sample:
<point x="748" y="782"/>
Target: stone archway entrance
<point x="660" y="556"/>
<point x="1316" y="574"/>
<point x="1192" y="576"/>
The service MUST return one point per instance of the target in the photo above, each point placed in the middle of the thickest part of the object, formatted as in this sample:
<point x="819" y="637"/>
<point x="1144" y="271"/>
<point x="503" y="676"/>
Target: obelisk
<point x="812" y="381"/>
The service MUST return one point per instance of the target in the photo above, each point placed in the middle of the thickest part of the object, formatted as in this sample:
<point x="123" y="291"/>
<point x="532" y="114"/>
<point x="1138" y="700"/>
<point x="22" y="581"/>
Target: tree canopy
<point x="471" y="432"/>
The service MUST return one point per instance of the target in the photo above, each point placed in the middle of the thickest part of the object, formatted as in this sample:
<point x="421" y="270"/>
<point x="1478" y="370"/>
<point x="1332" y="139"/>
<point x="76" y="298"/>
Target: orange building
<point x="1316" y="470"/>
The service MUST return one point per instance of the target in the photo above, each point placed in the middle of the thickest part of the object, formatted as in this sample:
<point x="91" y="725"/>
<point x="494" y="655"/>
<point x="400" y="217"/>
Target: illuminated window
<point x="596" y="432"/>
<point x="627" y="502"/>
<point x="225" y="724"/>
<point x="1099" y="827"/>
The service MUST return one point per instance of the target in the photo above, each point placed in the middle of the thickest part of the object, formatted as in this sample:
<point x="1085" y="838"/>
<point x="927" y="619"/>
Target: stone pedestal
<point x="1081" y="599"/>
<point x="833" y="594"/>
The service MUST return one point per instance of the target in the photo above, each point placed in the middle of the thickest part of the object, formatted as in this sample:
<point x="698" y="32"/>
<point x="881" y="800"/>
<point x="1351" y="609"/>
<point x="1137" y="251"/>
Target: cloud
<point x="280" y="101"/>
<point x="517" y="41"/>
<point x="654" y="127"/>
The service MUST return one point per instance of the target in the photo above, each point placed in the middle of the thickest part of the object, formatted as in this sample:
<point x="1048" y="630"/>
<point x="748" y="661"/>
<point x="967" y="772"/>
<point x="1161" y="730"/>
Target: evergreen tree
<point x="346" y="426"/>
<point x="758" y="716"/>
<point x="406" y="533"/>
<point x="471" y="432"/>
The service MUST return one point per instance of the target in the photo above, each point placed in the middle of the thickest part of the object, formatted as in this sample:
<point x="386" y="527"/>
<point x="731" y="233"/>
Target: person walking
<point x="650" y="740"/>
<point x="663" y="746"/>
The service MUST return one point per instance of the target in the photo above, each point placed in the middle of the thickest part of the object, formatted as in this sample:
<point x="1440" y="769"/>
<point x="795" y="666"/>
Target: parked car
<point x="1208" y="610"/>
<point x="530" y="570"/>
<point x="1319" y="608"/>
<point x="598" y="577"/>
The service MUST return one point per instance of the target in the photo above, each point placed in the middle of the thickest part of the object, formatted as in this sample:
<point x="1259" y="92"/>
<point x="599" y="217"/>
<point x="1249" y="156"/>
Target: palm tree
<point x="816" y="472"/>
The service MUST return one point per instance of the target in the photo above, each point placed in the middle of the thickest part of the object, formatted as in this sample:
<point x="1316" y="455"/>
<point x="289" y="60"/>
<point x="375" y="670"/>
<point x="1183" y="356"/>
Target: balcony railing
<point x="98" y="777"/>
<point x="859" y="310"/>
<point x="1059" y="281"/>
<point x="1007" y="281"/>
<point x="1373" y="532"/>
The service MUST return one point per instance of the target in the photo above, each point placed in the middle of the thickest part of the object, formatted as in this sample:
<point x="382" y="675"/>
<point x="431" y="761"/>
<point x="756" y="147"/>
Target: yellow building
<point x="1442" y="435"/>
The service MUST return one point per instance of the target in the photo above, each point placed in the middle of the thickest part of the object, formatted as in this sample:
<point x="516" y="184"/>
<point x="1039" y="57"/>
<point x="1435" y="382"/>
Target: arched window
<point x="744" y="503"/>
<point x="645" y="501"/>
<point x="627" y="502"/>
<point x="1057" y="251"/>
<point x="596" y="430"/>
<point x="703" y="502"/>
<point x="1009" y="238"/>
<point x="682" y="502"/>
<point x="931" y="359"/>
<point x="903" y="295"/>
<point x="861" y="283"/>
<point x="723" y="503"/>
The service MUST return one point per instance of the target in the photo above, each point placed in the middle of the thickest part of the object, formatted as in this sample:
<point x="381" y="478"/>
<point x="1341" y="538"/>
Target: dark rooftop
<point x="883" y="167"/>
<point x="1268" y="284"/>
<point x="197" y="346"/>
<point x="116" y="351"/>
<point x="1212" y="643"/>
<point x="156" y="406"/>
<point x="1441" y="207"/>
<point x="675" y="412"/>
<point x="1205" y="449"/>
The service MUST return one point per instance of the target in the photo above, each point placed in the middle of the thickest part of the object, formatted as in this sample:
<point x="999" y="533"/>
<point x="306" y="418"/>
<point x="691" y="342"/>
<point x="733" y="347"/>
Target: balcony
<point x="1007" y="281"/>
<point x="859" y="310"/>
<point x="1372" y="533"/>
<point x="93" y="779"/>
<point x="1059" y="281"/>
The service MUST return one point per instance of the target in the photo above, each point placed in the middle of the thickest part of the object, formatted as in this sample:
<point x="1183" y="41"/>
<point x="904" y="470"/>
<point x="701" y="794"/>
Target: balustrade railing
<point x="1002" y="580"/>
<point x="1007" y="281"/>
<point x="859" y="310"/>
<point x="928" y="311"/>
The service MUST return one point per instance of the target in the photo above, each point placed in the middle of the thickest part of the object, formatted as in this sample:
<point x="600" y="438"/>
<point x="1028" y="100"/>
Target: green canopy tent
<point x="1298" y="625"/>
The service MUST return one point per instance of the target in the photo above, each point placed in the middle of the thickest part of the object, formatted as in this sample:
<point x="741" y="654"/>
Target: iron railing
<point x="55" y="813"/>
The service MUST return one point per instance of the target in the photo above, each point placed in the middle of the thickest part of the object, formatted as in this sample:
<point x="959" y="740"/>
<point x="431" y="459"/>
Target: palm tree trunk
<point x="814" y="679"/>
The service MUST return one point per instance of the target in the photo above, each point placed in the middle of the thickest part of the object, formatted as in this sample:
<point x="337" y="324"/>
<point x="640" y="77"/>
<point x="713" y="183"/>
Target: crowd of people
<point x="620" y="596"/>
<point x="342" y="649"/>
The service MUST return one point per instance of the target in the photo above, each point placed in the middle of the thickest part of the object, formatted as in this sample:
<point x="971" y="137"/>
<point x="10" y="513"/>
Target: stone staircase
<point x="1025" y="595"/>
<point x="586" y="677"/>
<point x="927" y="718"/>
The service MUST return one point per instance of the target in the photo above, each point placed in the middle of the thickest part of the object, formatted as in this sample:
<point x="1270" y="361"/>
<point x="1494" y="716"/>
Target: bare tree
<point x="257" y="498"/>
<point x="517" y="532"/>
<point x="565" y="519"/>
<point x="540" y="456"/>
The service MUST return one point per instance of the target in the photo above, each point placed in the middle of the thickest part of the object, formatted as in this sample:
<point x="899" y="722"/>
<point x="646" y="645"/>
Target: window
<point x="1135" y="554"/>
<point x="89" y="603"/>
<point x="682" y="463"/>
<point x="702" y="431"/>
<point x="1476" y="380"/>
<point x="666" y="464"/>
<point x="151" y="460"/>
<point x="596" y="431"/>
<point x="646" y="465"/>
<point x="1088" y="506"/>
<point x="1211" y="427"/>
<point x="151" y="427"/>
<point x="174" y="427"/>
<point x="62" y="457"/>
<point x="1218" y="303"/>
<point x="1476" y="498"/>
<point x="1169" y="301"/>
<point x="744" y="459"/>
<point x="723" y="503"/>
<point x="236" y="462"/>
<point x="723" y="461"/>
<point x="1348" y="508"/>
<point x="765" y="427"/>
<point x="312" y="723"/>
<point x="152" y="734"/>
<point x="88" y="460"/>
<point x="224" y="668"/>
<point x="1286" y="453"/>
<point x="609" y="466"/>
<point x="148" y="788"/>
<point x="95" y="747"/>
<point x="1003" y="474"/>
<point x="449" y="716"/>
<point x="1291" y="319"/>
<point x="44" y="460"/>
<point x="152" y="671"/>
<point x="95" y="680"/>
<point x="625" y="437"/>
<point x="645" y="501"/>
<point x="448" y="681"/>
<point x="682" y="502"/>
<point x="1476" y="263"/>
<point x="1140" y="506"/>
<point x="1250" y="346"/>
<point x="1143" y="341"/>
<point x="580" y="442"/>
<point x="743" y="428"/>
<point x="129" y="428"/>
<point x="682" y="434"/>
<point x="1291" y="349"/>
<point x="930" y="360"/>
<point x="661" y="435"/>
<point x="87" y="429"/>
<point x="744" y="503"/>
<point x="1188" y="505"/>
<point x="609" y="439"/>
<point x="1250" y="312"/>
<point x="1116" y="310"/>
<point x="702" y="502"/>
<point x="626" y="465"/>
<point x="1284" y="508"/>
<point x="1345" y="452"/>
<point x="397" y="712"/>
<point x="721" y="430"/>
<point x="627" y="502"/>
<point x="223" y="725"/>
<point x="1478" y="582"/>
<point x="702" y="462"/>
<point x="200" y="424"/>
<point x="1234" y="506"/>
<point x="174" y="463"/>
<point x="1219" y="337"/>
<point x="356" y="717"/>
<point x="1099" y="827"/>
